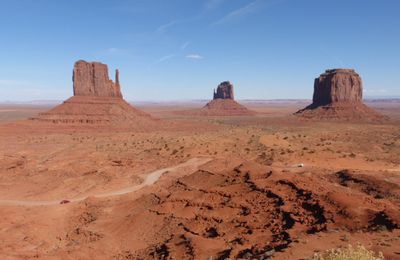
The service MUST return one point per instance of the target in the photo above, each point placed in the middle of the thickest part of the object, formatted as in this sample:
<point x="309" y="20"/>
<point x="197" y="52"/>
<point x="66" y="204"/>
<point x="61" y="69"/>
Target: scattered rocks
<point x="280" y="209"/>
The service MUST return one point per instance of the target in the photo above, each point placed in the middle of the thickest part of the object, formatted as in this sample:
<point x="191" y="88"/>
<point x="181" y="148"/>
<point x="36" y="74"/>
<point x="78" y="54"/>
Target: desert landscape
<point x="199" y="130"/>
<point x="97" y="178"/>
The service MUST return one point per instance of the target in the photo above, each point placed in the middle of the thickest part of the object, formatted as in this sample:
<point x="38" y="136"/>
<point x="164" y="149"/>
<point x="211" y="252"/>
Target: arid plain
<point x="269" y="184"/>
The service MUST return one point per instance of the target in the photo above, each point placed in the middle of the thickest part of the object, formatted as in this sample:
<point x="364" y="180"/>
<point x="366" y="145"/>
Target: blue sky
<point x="182" y="49"/>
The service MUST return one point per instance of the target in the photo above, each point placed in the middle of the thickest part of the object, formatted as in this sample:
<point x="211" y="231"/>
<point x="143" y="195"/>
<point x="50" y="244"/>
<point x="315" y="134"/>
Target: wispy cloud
<point x="185" y="45"/>
<point x="209" y="6"/>
<point x="194" y="56"/>
<point x="164" y="27"/>
<point x="213" y="4"/>
<point x="164" y="58"/>
<point x="112" y="52"/>
<point x="253" y="7"/>
<point x="116" y="51"/>
<point x="133" y="7"/>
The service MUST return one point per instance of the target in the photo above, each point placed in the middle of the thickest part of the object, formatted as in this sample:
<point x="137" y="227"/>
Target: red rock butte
<point x="223" y="104"/>
<point x="338" y="96"/>
<point x="224" y="91"/>
<point x="96" y="100"/>
<point x="91" y="79"/>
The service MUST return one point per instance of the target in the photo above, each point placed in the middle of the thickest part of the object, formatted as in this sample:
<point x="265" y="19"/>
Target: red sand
<point x="251" y="200"/>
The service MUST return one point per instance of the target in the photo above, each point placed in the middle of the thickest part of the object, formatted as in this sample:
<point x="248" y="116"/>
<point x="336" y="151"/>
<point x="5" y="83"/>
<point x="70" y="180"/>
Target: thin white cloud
<point x="194" y="56"/>
<point x="209" y="6"/>
<point x="117" y="51"/>
<point x="213" y="4"/>
<point x="164" y="58"/>
<point x="133" y="7"/>
<point x="112" y="52"/>
<point x="253" y="7"/>
<point x="164" y="27"/>
<point x="185" y="45"/>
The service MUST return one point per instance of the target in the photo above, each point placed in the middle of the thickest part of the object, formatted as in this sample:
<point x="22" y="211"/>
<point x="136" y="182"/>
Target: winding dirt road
<point x="189" y="166"/>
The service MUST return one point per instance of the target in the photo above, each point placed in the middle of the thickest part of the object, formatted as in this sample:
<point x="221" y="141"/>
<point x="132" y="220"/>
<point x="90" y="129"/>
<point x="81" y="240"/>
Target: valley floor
<point x="261" y="186"/>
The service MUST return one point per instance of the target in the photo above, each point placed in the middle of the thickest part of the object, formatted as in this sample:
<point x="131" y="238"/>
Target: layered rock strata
<point x="96" y="100"/>
<point x="338" y="96"/>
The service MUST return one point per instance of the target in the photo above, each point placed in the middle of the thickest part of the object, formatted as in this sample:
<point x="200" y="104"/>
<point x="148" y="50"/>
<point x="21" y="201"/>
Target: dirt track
<point x="190" y="166"/>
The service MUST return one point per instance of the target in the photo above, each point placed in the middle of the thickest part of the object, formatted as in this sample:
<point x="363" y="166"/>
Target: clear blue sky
<point x="182" y="49"/>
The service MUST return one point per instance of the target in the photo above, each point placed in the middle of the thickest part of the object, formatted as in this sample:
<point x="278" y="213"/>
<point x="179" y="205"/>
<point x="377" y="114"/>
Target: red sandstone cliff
<point x="96" y="100"/>
<point x="338" y="96"/>
<point x="337" y="85"/>
<point x="91" y="79"/>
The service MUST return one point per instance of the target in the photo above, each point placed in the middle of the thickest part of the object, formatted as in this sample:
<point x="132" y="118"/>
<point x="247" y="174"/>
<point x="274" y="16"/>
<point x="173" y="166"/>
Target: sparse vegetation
<point x="349" y="253"/>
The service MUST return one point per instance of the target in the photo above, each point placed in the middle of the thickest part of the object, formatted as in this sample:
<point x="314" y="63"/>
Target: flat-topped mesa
<point x="337" y="85"/>
<point x="224" y="91"/>
<point x="338" y="96"/>
<point x="91" y="79"/>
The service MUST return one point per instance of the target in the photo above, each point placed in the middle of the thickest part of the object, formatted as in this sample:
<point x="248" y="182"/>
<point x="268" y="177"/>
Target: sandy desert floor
<point x="248" y="187"/>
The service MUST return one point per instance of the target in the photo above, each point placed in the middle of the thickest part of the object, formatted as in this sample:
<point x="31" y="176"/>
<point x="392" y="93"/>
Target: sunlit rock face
<point x="338" y="96"/>
<point x="96" y="100"/>
<point x="91" y="79"/>
<point x="337" y="85"/>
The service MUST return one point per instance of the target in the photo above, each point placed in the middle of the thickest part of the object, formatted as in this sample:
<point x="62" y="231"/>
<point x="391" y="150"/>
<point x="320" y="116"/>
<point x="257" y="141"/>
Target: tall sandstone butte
<point x="223" y="103"/>
<point x="91" y="79"/>
<point x="338" y="95"/>
<point x="96" y="100"/>
<point x="224" y="91"/>
<point x="337" y="85"/>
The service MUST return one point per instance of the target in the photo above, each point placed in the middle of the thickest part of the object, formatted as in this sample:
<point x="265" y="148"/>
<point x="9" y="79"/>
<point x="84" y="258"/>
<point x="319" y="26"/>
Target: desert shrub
<point x="353" y="155"/>
<point x="349" y="253"/>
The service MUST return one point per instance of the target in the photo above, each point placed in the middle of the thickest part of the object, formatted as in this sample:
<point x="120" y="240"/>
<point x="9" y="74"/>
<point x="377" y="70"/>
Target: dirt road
<point x="187" y="167"/>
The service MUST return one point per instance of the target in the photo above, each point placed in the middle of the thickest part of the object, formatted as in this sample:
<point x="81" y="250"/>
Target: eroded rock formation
<point x="223" y="104"/>
<point x="91" y="79"/>
<point x="337" y="85"/>
<point x="224" y="91"/>
<point x="96" y="100"/>
<point x="338" y="96"/>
